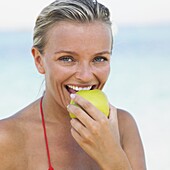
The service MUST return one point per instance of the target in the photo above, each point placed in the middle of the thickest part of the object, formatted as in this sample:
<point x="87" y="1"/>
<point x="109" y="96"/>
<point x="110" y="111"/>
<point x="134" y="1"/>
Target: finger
<point x="81" y="134"/>
<point x="76" y="135"/>
<point x="88" y="107"/>
<point x="81" y="115"/>
<point x="78" y="126"/>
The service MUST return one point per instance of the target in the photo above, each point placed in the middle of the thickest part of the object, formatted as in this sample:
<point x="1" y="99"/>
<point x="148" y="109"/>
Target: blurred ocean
<point x="139" y="82"/>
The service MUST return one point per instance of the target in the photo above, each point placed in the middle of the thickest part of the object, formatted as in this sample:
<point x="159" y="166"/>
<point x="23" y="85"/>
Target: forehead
<point x="71" y="34"/>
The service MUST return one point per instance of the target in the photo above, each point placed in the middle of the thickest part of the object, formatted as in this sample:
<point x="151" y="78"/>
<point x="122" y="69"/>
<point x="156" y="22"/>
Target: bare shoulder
<point x="9" y="129"/>
<point x="126" y="121"/>
<point x="127" y="126"/>
<point x="13" y="132"/>
<point x="14" y="127"/>
<point x="10" y="142"/>
<point x="131" y="140"/>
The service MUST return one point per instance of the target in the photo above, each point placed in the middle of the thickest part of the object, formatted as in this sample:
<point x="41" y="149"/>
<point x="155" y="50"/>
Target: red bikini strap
<point x="45" y="135"/>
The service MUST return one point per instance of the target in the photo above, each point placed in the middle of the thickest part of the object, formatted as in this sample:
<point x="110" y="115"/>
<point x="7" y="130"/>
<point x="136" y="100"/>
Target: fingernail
<point x="68" y="106"/>
<point x="72" y="95"/>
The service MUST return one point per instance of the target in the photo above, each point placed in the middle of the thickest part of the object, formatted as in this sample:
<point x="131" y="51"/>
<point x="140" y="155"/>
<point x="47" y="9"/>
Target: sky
<point x="21" y="14"/>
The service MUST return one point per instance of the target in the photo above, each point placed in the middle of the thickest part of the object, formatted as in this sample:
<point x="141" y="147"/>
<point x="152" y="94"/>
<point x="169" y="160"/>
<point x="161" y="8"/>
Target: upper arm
<point x="131" y="140"/>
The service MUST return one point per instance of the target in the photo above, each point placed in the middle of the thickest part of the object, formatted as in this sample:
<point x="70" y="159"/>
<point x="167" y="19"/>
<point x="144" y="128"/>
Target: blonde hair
<point x="81" y="11"/>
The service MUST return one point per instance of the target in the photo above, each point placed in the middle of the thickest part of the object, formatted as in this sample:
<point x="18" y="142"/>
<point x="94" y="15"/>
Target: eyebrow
<point x="65" y="51"/>
<point x="103" y="52"/>
<point x="74" y="53"/>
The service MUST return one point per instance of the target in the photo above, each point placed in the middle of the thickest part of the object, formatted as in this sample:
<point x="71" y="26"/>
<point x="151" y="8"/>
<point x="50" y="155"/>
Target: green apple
<point x="96" y="97"/>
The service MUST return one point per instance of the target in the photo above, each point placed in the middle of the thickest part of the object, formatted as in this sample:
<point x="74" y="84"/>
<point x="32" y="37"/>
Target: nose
<point x="84" y="72"/>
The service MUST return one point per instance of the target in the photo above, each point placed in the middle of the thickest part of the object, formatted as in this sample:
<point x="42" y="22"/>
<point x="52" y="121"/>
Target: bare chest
<point x="64" y="154"/>
<point x="60" y="158"/>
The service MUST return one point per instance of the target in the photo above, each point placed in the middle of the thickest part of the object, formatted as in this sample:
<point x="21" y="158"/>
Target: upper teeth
<point x="79" y="88"/>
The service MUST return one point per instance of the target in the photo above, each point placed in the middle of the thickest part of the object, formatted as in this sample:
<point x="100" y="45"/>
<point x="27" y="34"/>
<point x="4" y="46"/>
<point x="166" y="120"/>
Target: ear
<point x="38" y="59"/>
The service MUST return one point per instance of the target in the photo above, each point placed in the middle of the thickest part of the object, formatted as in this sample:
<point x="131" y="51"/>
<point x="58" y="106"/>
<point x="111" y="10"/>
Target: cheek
<point x="106" y="74"/>
<point x="59" y="73"/>
<point x="103" y="73"/>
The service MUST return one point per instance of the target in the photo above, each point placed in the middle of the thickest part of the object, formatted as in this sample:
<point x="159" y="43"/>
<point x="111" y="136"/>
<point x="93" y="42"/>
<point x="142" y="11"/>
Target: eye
<point x="67" y="59"/>
<point x="100" y="59"/>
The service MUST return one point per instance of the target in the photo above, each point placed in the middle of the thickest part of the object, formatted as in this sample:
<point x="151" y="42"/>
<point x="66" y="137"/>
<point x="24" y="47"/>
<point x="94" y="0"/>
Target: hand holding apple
<point x="97" y="98"/>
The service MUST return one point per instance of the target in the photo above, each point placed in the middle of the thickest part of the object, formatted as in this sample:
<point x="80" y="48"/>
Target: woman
<point x="72" y="48"/>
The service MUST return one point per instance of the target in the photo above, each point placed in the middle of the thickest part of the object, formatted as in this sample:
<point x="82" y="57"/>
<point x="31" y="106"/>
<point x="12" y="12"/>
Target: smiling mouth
<point x="74" y="89"/>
